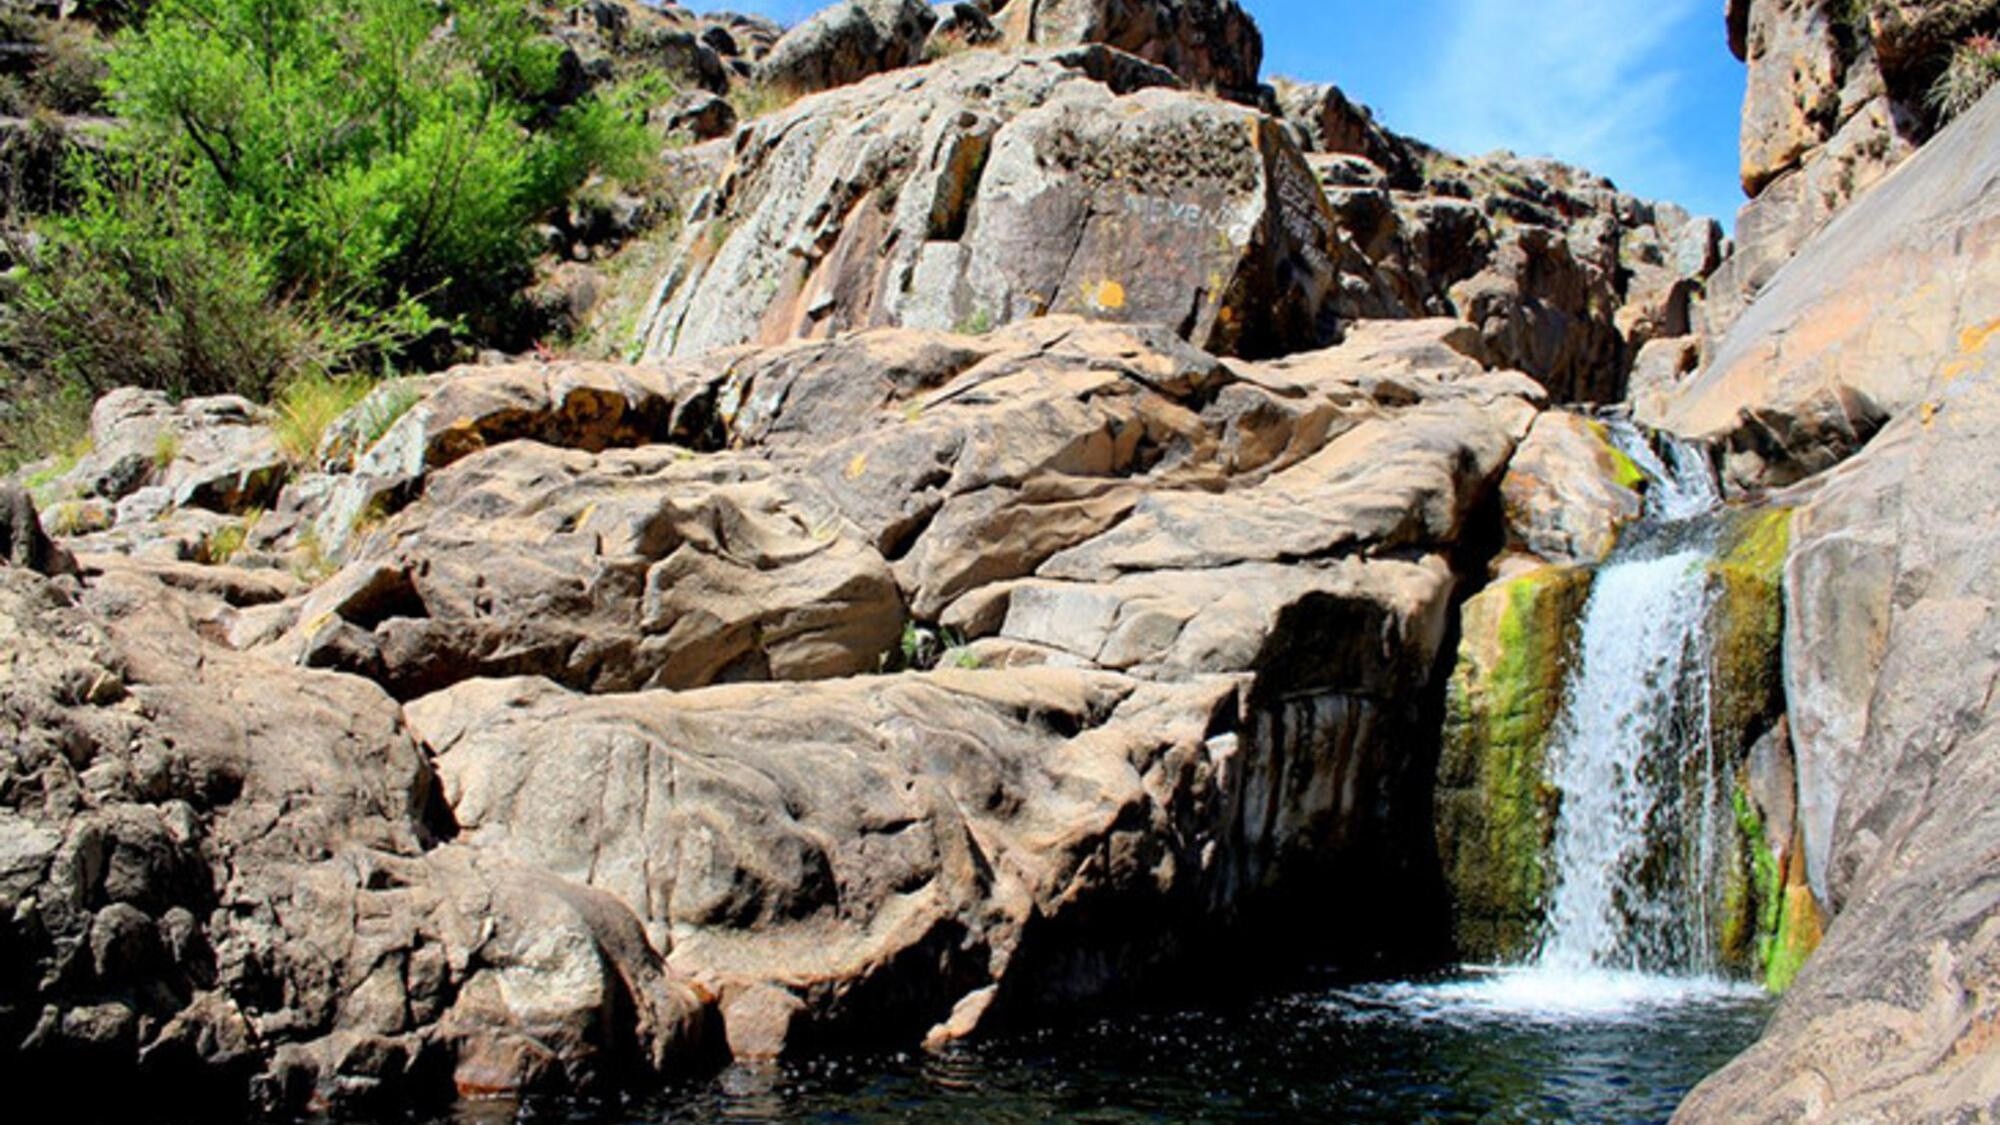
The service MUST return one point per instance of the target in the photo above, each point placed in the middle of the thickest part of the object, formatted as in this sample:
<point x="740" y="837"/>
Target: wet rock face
<point x="1889" y="659"/>
<point x="986" y="189"/>
<point x="1496" y="810"/>
<point x="1888" y="642"/>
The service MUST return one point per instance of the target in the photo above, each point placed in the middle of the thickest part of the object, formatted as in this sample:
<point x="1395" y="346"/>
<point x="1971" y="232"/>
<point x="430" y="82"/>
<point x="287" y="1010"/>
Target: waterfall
<point x="1634" y="862"/>
<point x="1630" y="876"/>
<point x="1683" y="484"/>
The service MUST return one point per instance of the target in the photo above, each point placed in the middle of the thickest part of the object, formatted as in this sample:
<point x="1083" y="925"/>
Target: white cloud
<point x="1591" y="82"/>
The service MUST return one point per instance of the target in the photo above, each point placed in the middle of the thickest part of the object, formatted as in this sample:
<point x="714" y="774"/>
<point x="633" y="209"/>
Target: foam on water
<point x="1536" y="995"/>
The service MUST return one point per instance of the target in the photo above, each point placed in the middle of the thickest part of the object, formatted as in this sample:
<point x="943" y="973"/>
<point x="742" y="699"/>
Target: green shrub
<point x="136" y="286"/>
<point x="380" y="147"/>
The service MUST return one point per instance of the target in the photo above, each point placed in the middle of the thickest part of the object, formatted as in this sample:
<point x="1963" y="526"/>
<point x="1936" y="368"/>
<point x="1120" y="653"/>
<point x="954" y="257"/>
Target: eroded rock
<point x="1209" y="43"/>
<point x="986" y="189"/>
<point x="1825" y="357"/>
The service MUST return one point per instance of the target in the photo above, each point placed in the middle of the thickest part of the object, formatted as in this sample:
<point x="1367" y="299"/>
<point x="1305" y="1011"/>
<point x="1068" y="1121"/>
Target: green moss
<point x="1797" y="936"/>
<point x="1748" y="627"/>
<point x="1771" y="924"/>
<point x="1625" y="470"/>
<point x="1754" y="902"/>
<point x="1758" y="543"/>
<point x="1496" y="809"/>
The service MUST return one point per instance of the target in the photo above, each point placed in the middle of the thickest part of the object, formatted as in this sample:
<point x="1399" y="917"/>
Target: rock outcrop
<point x="1211" y="44"/>
<point x="985" y="188"/>
<point x="1839" y="94"/>
<point x="1837" y="343"/>
<point x="234" y="879"/>
<point x="1890" y="668"/>
<point x="900" y="685"/>
<point x="1566" y="278"/>
<point x="988" y="188"/>
<point x="848" y="42"/>
<point x="1878" y="334"/>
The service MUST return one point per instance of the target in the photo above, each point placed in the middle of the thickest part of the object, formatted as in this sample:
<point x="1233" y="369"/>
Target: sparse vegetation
<point x="752" y="100"/>
<point x="309" y="561"/>
<point x="923" y="648"/>
<point x="166" y="448"/>
<point x="1972" y="71"/>
<point x="228" y="541"/>
<point x="940" y="47"/>
<point x="310" y="404"/>
<point x="68" y="519"/>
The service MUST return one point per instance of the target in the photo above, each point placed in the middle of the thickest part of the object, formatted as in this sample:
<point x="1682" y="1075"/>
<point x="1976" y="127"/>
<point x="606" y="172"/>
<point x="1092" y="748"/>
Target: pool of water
<point x="1516" y="1045"/>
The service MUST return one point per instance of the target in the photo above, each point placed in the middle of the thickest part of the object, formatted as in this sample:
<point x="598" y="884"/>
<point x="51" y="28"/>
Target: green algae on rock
<point x="1748" y="628"/>
<point x="1495" y="809"/>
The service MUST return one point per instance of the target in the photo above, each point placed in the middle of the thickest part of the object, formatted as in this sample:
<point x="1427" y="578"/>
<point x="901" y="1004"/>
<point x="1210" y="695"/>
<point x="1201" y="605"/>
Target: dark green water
<point x="1487" y="1048"/>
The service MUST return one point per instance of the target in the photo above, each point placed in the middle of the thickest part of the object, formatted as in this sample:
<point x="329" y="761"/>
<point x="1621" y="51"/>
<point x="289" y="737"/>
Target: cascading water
<point x="1634" y="859"/>
<point x="1630" y="870"/>
<point x="1635" y="864"/>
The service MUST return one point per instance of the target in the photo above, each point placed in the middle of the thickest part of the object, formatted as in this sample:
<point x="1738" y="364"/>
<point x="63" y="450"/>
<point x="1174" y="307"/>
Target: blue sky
<point x="1643" y="91"/>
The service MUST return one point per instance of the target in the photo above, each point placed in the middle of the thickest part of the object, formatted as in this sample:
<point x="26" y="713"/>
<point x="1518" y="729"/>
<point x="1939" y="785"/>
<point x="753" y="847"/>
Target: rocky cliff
<point x="1072" y="513"/>
<point x="1889" y="654"/>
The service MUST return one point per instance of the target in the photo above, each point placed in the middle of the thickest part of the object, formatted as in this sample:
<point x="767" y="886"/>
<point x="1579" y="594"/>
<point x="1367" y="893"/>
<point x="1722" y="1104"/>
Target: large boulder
<point x="1329" y="122"/>
<point x="614" y="572"/>
<point x="1209" y="43"/>
<point x="1840" y="341"/>
<point x="148" y="453"/>
<point x="848" y="42"/>
<point x="988" y="188"/>
<point x="1569" y="492"/>
<point x="884" y="857"/>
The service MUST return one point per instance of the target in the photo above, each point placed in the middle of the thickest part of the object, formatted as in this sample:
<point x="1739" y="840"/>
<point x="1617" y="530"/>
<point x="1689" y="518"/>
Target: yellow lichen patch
<point x="857" y="466"/>
<point x="1928" y="412"/>
<point x="1110" y="295"/>
<point x="1974" y="339"/>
